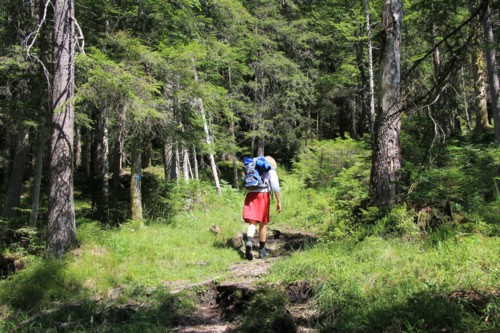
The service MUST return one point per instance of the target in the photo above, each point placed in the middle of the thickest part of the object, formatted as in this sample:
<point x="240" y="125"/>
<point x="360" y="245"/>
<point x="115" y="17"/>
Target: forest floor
<point x="220" y="307"/>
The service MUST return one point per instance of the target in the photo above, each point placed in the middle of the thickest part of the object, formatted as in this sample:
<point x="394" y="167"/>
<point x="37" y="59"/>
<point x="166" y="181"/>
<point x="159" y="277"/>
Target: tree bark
<point x="491" y="62"/>
<point x="371" y="71"/>
<point x="136" y="185"/>
<point x="61" y="231"/>
<point x="78" y="148"/>
<point x="386" y="160"/>
<point x="185" y="163"/>
<point x="102" y="167"/>
<point x="37" y="181"/>
<point x="480" y="95"/>
<point x="14" y="190"/>
<point x="195" y="167"/>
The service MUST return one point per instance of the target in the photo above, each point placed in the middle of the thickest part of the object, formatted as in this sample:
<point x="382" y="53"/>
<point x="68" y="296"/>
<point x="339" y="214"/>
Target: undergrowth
<point x="430" y="264"/>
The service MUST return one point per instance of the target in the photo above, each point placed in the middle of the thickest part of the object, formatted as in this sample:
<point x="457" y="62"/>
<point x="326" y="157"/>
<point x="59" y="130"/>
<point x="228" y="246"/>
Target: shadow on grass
<point x="424" y="312"/>
<point x="44" y="298"/>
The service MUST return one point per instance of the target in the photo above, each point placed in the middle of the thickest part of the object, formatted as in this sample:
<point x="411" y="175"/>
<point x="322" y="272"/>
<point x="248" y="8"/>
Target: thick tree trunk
<point x="61" y="231"/>
<point x="386" y="161"/>
<point x="148" y="155"/>
<point x="491" y="61"/>
<point x="171" y="161"/>
<point x="480" y="95"/>
<point x="14" y="190"/>
<point x="37" y="181"/>
<point x="136" y="185"/>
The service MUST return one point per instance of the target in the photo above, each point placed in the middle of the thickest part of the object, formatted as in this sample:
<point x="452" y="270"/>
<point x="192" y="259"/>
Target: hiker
<point x="256" y="208"/>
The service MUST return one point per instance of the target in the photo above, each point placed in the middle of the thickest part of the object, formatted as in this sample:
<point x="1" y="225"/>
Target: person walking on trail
<point x="257" y="206"/>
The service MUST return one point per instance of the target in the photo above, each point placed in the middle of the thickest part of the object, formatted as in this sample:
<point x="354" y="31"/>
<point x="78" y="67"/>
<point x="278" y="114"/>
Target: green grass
<point x="384" y="285"/>
<point x="133" y="257"/>
<point x="394" y="285"/>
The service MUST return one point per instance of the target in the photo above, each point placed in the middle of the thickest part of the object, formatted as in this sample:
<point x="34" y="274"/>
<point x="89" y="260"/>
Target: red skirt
<point x="257" y="207"/>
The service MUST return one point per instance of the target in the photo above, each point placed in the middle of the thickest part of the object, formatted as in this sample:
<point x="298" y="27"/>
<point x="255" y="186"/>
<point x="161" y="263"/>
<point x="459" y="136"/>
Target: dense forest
<point x="383" y="116"/>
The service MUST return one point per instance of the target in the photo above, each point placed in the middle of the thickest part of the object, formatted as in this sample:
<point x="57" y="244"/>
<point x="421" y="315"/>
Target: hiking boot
<point x="248" y="250"/>
<point x="262" y="254"/>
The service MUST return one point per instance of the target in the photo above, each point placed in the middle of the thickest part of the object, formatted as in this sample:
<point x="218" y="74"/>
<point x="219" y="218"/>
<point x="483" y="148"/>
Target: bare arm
<point x="278" y="201"/>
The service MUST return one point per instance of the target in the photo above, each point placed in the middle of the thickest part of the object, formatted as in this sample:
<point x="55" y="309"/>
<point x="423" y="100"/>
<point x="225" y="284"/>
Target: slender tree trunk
<point x="61" y="231"/>
<point x="136" y="185"/>
<point x="101" y="167"/>
<point x="37" y="181"/>
<point x="261" y="143"/>
<point x="466" y="103"/>
<point x="195" y="160"/>
<point x="88" y="153"/>
<point x="78" y="147"/>
<point x="371" y="72"/>
<point x="386" y="163"/>
<point x="185" y="163"/>
<point x="491" y="61"/>
<point x="208" y="138"/>
<point x="117" y="165"/>
<point x="14" y="190"/>
<point x="6" y="151"/>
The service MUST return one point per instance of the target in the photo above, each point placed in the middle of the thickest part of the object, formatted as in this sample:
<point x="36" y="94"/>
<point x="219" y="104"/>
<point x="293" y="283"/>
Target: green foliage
<point x="462" y="189"/>
<point x="399" y="222"/>
<point x="321" y="161"/>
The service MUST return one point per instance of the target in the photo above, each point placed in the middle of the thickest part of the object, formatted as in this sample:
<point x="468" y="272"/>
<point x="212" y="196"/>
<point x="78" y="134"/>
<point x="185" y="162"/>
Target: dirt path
<point x="220" y="308"/>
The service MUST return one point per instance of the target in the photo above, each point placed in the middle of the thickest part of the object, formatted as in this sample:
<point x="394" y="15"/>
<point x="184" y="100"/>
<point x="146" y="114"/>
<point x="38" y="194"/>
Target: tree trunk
<point x="466" y="103"/>
<point x="185" y="163"/>
<point x="117" y="156"/>
<point x="14" y="190"/>
<point x="480" y="95"/>
<point x="148" y="155"/>
<point x="101" y="167"/>
<point x="171" y="160"/>
<point x="491" y="61"/>
<point x="196" y="168"/>
<point x="371" y="71"/>
<point x="136" y="185"/>
<point x="208" y="138"/>
<point x="386" y="162"/>
<point x="88" y="153"/>
<point x="78" y="148"/>
<point x="37" y="181"/>
<point x="61" y="231"/>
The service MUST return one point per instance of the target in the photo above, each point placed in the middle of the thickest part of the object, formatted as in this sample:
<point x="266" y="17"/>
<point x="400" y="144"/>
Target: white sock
<point x="251" y="230"/>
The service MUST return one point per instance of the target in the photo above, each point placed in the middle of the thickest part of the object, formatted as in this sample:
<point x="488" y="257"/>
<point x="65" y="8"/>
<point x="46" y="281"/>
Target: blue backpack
<point x="254" y="168"/>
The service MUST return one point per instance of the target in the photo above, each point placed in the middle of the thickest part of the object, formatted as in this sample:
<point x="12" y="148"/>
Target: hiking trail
<point x="220" y="308"/>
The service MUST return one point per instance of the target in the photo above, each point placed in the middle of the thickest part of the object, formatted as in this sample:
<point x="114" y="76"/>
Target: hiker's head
<point x="271" y="161"/>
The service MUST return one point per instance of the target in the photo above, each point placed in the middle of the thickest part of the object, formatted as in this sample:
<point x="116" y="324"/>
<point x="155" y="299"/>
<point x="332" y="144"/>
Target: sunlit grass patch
<point x="395" y="285"/>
